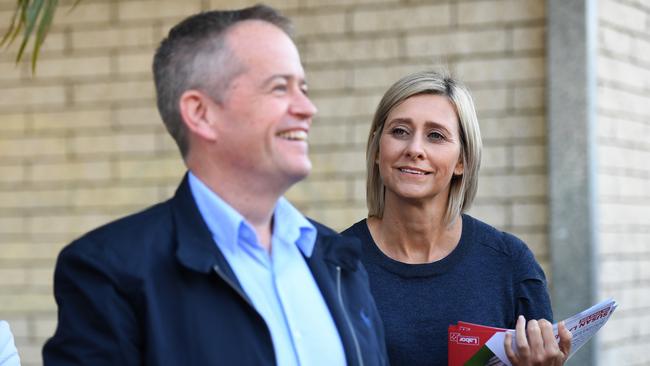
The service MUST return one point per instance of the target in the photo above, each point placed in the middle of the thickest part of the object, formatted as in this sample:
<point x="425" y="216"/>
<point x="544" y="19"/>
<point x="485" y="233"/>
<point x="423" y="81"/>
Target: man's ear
<point x="196" y="111"/>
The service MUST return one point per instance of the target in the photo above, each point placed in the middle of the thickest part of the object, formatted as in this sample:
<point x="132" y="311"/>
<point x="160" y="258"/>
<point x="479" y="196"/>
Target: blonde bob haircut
<point x="463" y="187"/>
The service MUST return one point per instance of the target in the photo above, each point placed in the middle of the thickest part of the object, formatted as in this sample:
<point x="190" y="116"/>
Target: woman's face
<point x="419" y="149"/>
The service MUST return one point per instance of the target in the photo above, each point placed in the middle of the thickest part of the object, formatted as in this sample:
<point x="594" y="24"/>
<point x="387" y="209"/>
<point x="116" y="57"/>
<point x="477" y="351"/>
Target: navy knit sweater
<point x="490" y="278"/>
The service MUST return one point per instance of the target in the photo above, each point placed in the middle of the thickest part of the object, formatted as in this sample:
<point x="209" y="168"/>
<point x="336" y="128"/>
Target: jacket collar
<point x="195" y="249"/>
<point x="335" y="249"/>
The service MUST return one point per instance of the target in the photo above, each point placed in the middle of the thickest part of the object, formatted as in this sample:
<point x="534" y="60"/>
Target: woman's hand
<point x="536" y="344"/>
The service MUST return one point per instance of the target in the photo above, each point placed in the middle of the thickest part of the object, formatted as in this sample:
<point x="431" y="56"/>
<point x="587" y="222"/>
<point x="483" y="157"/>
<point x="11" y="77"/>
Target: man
<point x="226" y="272"/>
<point x="8" y="353"/>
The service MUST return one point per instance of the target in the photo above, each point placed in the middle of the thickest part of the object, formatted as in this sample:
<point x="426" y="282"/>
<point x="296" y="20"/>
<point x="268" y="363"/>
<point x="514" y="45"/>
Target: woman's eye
<point x="398" y="131"/>
<point x="436" y="136"/>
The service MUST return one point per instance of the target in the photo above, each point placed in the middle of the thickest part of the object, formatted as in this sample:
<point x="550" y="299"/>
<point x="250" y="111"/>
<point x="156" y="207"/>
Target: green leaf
<point x="8" y="35"/>
<point x="31" y="18"/>
<point x="75" y="5"/>
<point x="32" y="14"/>
<point x="43" y="28"/>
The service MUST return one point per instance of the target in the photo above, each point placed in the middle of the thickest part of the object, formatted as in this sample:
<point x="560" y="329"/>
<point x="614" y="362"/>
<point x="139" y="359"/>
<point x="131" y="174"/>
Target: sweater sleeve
<point x="531" y="294"/>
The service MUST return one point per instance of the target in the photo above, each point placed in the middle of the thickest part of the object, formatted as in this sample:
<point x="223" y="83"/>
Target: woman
<point x="430" y="265"/>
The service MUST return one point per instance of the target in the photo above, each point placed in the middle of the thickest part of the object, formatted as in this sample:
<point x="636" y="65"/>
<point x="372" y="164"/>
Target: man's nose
<point x="303" y="106"/>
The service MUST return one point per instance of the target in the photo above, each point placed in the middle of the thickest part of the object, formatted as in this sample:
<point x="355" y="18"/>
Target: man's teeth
<point x="295" y="135"/>
<point x="410" y="171"/>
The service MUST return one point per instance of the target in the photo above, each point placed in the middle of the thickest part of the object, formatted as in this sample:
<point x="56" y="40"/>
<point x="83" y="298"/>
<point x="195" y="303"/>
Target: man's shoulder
<point x="127" y="236"/>
<point x="333" y="236"/>
<point x="322" y="229"/>
<point x="141" y="222"/>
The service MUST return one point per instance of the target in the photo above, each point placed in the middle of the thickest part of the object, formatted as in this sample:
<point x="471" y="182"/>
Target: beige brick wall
<point x="624" y="177"/>
<point x="81" y="142"/>
<point x="353" y="51"/>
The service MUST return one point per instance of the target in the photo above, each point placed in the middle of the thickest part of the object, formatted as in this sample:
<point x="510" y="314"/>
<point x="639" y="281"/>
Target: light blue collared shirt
<point x="280" y="285"/>
<point x="8" y="352"/>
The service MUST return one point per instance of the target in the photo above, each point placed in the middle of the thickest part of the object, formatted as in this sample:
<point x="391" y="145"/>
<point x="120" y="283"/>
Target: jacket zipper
<point x="228" y="281"/>
<point x="345" y="315"/>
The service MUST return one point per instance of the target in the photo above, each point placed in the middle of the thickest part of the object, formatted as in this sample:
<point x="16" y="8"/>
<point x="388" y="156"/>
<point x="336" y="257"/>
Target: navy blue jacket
<point x="154" y="289"/>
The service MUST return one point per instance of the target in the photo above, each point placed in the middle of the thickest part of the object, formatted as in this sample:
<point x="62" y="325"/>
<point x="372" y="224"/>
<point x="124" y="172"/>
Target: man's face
<point x="265" y="114"/>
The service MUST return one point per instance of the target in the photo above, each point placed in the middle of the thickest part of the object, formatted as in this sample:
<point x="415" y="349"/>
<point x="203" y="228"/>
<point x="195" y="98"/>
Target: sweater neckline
<point x="422" y="269"/>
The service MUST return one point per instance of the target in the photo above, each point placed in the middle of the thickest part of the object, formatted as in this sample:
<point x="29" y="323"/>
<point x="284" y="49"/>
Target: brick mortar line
<point x="636" y="5"/>
<point x="71" y="185"/>
<point x="82" y="108"/>
<point x="83" y="131"/>
<point x="625" y="202"/>
<point x="630" y="59"/>
<point x="630" y="32"/>
<point x="433" y="30"/>
<point x="456" y="58"/>
<point x="618" y="171"/>
<point x="626" y="257"/>
<point x="86" y="52"/>
<point x="90" y="158"/>
<point x="620" y="86"/>
<point x="624" y="229"/>
<point x="625" y="115"/>
<point x="624" y="144"/>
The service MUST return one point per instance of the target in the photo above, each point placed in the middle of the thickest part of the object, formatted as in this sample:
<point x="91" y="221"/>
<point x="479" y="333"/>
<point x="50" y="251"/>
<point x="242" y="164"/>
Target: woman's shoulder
<point x="490" y="237"/>
<point x="504" y="244"/>
<point x="358" y="229"/>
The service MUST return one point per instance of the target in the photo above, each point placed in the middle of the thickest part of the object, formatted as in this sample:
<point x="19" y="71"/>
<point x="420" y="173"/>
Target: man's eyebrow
<point x="286" y="77"/>
<point x="274" y="77"/>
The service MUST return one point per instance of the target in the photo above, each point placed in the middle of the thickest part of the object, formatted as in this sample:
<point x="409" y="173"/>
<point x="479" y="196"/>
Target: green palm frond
<point x="33" y="18"/>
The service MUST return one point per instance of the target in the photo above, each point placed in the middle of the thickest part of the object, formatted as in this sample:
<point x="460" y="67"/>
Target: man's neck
<point x="254" y="201"/>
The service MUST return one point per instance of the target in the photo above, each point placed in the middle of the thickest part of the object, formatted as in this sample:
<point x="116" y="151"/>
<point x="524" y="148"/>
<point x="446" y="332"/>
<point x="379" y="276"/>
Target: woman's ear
<point x="196" y="110"/>
<point x="459" y="169"/>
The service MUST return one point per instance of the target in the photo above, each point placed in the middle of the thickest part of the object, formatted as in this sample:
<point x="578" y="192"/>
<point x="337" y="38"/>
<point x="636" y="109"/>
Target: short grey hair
<point x="195" y="55"/>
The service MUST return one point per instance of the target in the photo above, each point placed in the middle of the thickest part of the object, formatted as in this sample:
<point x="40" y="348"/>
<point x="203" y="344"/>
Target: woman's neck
<point x="415" y="234"/>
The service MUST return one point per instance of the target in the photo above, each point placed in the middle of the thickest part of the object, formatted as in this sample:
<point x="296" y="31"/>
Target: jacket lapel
<point x="196" y="249"/>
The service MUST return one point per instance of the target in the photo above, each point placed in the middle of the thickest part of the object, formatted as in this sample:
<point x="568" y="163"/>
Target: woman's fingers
<point x="536" y="343"/>
<point x="551" y="349"/>
<point x="512" y="356"/>
<point x="565" y="339"/>
<point x="523" y="349"/>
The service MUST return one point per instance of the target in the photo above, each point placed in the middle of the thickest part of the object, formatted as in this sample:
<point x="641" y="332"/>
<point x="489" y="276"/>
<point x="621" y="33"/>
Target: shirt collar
<point x="227" y="225"/>
<point x="289" y="224"/>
